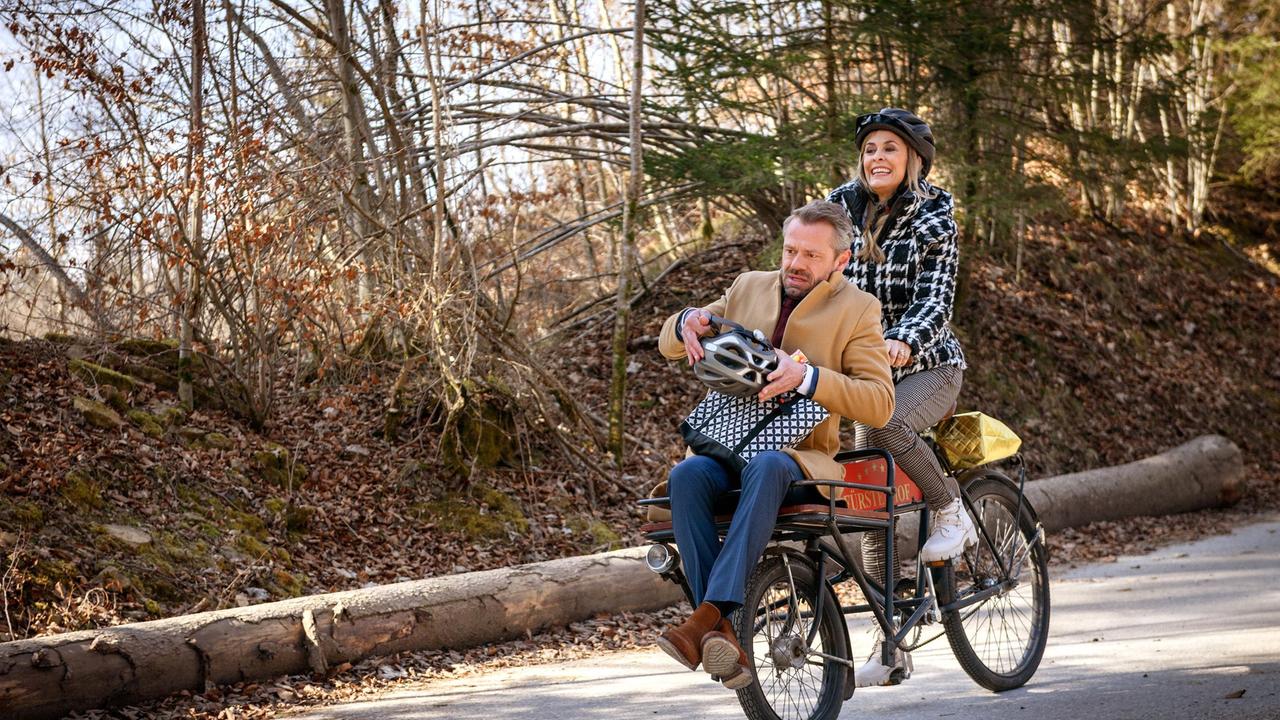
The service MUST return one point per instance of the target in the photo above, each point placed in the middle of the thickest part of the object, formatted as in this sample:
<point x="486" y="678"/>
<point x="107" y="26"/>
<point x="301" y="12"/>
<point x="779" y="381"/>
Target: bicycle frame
<point x="884" y="605"/>
<point x="882" y="601"/>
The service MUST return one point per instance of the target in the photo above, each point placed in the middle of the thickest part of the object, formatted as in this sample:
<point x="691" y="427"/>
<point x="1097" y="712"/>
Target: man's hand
<point x="697" y="323"/>
<point x="899" y="353"/>
<point x="786" y="378"/>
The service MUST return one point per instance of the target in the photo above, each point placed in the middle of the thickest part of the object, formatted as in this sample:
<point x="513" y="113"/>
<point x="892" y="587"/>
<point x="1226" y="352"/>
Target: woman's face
<point x="884" y="162"/>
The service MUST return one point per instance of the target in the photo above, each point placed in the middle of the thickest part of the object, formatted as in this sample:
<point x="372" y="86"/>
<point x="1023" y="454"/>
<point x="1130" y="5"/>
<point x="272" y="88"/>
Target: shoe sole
<point x="720" y="658"/>
<point x="675" y="653"/>
<point x="738" y="680"/>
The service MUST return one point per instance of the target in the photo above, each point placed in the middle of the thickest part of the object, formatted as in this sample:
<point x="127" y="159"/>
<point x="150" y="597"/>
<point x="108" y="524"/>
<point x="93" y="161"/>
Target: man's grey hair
<point x="821" y="211"/>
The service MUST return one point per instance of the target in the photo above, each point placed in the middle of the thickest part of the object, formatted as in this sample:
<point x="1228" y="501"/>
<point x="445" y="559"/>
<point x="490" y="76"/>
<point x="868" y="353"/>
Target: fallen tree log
<point x="1206" y="472"/>
<point x="52" y="676"/>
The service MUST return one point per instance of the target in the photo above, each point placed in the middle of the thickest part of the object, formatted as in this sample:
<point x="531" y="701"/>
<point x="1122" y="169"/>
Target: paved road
<point x="1167" y="635"/>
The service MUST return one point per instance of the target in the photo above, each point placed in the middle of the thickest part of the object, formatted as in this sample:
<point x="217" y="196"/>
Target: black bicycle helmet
<point x="906" y="125"/>
<point x="736" y="362"/>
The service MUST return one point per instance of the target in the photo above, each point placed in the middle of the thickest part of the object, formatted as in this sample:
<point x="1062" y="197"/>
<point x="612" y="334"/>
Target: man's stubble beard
<point x="796" y="294"/>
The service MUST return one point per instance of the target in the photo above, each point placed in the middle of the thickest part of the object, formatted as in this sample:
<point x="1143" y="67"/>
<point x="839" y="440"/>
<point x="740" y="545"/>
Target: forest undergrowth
<point x="1098" y="344"/>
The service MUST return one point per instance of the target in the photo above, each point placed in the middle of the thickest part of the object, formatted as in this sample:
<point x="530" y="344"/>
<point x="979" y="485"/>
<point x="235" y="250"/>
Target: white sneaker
<point x="951" y="533"/>
<point x="873" y="672"/>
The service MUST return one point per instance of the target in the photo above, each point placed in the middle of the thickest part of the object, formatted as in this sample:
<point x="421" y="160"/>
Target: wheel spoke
<point x="794" y="680"/>
<point x="1004" y="633"/>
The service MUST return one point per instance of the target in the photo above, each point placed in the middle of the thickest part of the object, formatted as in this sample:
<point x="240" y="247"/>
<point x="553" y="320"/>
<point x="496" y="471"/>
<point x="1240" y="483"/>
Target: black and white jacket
<point x="916" y="283"/>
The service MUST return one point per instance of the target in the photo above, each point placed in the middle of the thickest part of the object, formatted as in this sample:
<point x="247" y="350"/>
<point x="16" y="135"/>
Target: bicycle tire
<point x="1000" y="641"/>
<point x="789" y="684"/>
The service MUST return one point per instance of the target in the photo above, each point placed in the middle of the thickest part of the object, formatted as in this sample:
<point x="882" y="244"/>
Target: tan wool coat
<point x="837" y="326"/>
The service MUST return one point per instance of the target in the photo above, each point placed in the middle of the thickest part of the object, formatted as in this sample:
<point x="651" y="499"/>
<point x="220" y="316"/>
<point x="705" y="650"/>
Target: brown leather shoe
<point x="684" y="641"/>
<point x="723" y="657"/>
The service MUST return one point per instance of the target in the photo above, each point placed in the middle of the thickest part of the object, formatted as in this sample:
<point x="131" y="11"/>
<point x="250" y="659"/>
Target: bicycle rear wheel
<point x="796" y="679"/>
<point x="999" y="641"/>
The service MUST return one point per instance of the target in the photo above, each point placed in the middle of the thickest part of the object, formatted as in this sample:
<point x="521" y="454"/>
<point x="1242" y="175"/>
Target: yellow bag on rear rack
<point x="972" y="439"/>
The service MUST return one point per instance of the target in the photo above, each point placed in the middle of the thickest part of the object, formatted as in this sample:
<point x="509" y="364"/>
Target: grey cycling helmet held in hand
<point x="906" y="125"/>
<point x="736" y="362"/>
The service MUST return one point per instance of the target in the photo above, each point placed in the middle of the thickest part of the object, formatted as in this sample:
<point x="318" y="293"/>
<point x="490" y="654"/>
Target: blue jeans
<point x="716" y="572"/>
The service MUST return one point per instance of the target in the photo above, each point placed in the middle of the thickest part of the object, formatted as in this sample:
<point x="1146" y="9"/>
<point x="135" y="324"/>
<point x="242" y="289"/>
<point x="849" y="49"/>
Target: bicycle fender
<point x="968" y="476"/>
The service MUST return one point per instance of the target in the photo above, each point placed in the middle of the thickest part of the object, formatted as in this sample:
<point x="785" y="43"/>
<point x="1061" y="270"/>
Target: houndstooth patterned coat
<point x="916" y="283"/>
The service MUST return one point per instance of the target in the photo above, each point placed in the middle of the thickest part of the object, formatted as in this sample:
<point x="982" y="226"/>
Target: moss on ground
<point x="284" y="583"/>
<point x="25" y="513"/>
<point x="98" y="375"/>
<point x="81" y="490"/>
<point x="97" y="414"/>
<point x="251" y="545"/>
<point x="153" y="375"/>
<point x="278" y="467"/>
<point x="771" y="256"/>
<point x="49" y="572"/>
<point x="599" y="531"/>
<point x="484" y="514"/>
<point x="297" y="519"/>
<point x="174" y="549"/>
<point x="483" y="435"/>
<point x="149" y="424"/>
<point x="173" y="415"/>
<point x="247" y="522"/>
<point x="217" y="441"/>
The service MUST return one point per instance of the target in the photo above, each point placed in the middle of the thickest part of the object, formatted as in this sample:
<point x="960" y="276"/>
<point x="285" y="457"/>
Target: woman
<point x="904" y="253"/>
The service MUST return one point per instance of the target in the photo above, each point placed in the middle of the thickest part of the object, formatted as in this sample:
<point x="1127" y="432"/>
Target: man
<point x="805" y="306"/>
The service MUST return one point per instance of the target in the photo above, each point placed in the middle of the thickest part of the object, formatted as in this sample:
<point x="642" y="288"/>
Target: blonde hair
<point x="870" y="249"/>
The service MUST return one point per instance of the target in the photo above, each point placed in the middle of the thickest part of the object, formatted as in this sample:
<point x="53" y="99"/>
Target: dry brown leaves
<point x="1110" y="346"/>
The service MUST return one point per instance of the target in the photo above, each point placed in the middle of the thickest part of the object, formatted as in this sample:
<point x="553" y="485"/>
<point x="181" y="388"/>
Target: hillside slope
<point x="1111" y="345"/>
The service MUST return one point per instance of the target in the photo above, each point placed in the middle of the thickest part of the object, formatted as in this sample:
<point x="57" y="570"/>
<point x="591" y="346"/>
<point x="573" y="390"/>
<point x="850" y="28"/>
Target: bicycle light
<point x="661" y="558"/>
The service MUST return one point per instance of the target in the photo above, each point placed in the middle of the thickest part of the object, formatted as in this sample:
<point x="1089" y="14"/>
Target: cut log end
<point x="1203" y="473"/>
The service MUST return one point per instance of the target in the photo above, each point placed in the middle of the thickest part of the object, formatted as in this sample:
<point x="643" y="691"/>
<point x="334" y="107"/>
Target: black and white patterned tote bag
<point x="733" y="430"/>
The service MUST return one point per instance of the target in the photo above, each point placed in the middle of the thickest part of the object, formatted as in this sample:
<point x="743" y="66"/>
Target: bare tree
<point x="194" y="182"/>
<point x="626" y="248"/>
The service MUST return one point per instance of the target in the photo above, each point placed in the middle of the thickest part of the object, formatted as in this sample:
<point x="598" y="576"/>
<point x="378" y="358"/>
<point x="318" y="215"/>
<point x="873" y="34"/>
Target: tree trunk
<point x="1205" y="472"/>
<point x="361" y="192"/>
<point x="52" y="676"/>
<point x="51" y="200"/>
<point x="626" y="249"/>
<point x="831" y="110"/>
<point x="195" y="214"/>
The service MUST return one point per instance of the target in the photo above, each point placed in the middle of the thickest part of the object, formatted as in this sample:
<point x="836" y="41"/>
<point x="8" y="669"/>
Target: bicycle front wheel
<point x="798" y="655"/>
<point x="999" y="639"/>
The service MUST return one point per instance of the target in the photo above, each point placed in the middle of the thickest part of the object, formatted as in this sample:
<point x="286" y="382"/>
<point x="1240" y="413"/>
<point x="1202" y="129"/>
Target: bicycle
<point x="992" y="601"/>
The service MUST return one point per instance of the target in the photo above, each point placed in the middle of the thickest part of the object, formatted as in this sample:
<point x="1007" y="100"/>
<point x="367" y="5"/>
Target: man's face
<point x="808" y="257"/>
